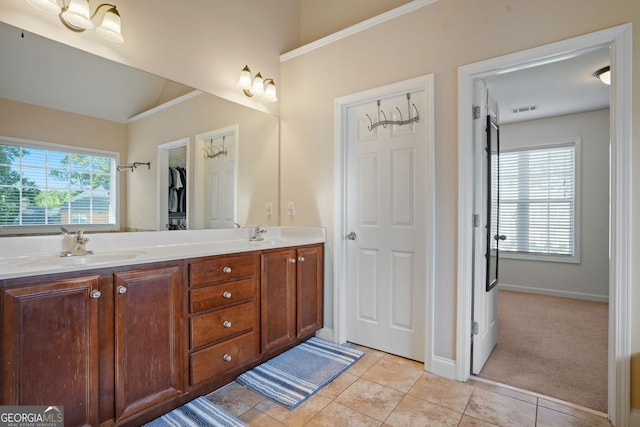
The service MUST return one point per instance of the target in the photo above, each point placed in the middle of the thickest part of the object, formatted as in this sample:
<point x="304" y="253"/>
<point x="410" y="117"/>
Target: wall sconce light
<point x="604" y="74"/>
<point x="257" y="85"/>
<point x="76" y="16"/>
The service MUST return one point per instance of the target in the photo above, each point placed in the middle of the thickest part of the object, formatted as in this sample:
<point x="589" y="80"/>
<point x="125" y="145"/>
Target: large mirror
<point x="54" y="93"/>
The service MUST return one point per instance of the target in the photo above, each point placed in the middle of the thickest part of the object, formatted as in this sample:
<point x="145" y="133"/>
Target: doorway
<point x="173" y="185"/>
<point x="619" y="39"/>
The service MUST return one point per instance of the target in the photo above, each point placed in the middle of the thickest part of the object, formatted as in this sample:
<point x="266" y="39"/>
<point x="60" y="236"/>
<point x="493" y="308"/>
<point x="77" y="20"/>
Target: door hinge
<point x="476" y="112"/>
<point x="474" y="328"/>
<point x="476" y="220"/>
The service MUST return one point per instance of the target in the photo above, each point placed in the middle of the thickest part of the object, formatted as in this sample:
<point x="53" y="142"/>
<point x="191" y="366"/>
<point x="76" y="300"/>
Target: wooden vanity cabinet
<point x="148" y="345"/>
<point x="223" y="315"/>
<point x="50" y="346"/>
<point x="291" y="295"/>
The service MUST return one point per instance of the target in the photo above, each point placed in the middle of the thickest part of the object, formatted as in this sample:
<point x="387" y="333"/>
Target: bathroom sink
<point x="267" y="242"/>
<point x="46" y="262"/>
<point x="100" y="258"/>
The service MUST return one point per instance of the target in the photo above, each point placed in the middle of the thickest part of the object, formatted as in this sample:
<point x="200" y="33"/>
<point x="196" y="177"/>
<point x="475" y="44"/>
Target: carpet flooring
<point x="553" y="346"/>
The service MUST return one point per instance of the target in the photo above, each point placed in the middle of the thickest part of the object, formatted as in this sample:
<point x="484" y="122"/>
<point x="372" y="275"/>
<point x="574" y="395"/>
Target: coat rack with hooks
<point x="133" y="166"/>
<point x="212" y="151"/>
<point x="399" y="122"/>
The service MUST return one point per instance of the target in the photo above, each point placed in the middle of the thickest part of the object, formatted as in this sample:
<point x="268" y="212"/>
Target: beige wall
<point x="322" y="18"/>
<point x="257" y="156"/>
<point x="26" y="121"/>
<point x="435" y="39"/>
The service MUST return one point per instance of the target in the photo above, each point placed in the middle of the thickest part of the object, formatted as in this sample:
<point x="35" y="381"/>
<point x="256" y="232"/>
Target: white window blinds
<point x="537" y="200"/>
<point x="42" y="185"/>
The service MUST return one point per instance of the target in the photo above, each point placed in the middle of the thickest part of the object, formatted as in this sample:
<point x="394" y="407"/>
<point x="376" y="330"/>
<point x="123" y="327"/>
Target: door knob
<point x="352" y="235"/>
<point x="95" y="294"/>
<point x="500" y="237"/>
<point x="122" y="290"/>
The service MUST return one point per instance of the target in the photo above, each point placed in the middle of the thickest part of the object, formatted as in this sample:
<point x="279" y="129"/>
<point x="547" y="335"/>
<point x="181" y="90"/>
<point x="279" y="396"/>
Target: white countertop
<point x="37" y="255"/>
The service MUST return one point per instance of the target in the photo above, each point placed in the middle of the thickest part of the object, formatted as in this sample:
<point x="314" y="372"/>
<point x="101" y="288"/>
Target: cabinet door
<point x="310" y="295"/>
<point x="50" y="347"/>
<point x="278" y="298"/>
<point x="147" y="338"/>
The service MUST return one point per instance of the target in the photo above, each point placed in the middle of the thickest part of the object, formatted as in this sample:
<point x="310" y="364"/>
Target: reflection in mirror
<point x="51" y="92"/>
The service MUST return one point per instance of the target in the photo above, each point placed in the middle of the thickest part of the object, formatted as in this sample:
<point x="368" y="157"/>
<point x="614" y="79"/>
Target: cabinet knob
<point x="226" y="324"/>
<point x="95" y="294"/>
<point x="226" y="294"/>
<point x="227" y="358"/>
<point x="226" y="270"/>
<point x="122" y="289"/>
<point x="292" y="260"/>
<point x="301" y="258"/>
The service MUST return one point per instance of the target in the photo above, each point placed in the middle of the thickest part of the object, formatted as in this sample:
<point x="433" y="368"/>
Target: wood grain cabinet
<point x="147" y="310"/>
<point x="291" y="295"/>
<point x="223" y="315"/>
<point x="50" y="347"/>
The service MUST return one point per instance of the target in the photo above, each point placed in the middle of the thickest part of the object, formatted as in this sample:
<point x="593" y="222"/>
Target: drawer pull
<point x="226" y="324"/>
<point x="122" y="290"/>
<point x="292" y="260"/>
<point x="227" y="357"/>
<point x="226" y="294"/>
<point x="95" y="294"/>
<point x="301" y="258"/>
<point x="226" y="270"/>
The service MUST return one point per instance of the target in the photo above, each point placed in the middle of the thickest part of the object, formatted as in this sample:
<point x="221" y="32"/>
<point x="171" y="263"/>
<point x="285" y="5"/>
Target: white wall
<point x="590" y="278"/>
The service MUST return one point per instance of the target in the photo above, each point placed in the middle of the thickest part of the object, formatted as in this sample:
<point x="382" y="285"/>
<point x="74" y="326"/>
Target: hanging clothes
<point x="177" y="189"/>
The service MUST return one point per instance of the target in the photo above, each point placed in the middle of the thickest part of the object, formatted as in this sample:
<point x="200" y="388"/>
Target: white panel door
<point x="485" y="300"/>
<point x="386" y="253"/>
<point x="220" y="184"/>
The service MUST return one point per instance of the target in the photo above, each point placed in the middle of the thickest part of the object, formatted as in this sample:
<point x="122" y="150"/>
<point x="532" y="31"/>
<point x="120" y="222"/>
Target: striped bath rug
<point x="295" y="375"/>
<point x="197" y="413"/>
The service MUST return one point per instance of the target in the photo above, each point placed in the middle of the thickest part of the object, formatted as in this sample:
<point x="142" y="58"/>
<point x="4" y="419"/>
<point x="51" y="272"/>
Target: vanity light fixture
<point x="257" y="85"/>
<point x="76" y="16"/>
<point x="604" y="74"/>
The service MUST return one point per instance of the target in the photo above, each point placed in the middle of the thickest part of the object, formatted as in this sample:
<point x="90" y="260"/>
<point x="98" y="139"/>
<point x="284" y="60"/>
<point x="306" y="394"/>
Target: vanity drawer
<point x="222" y="268"/>
<point x="218" y="296"/>
<point x="212" y="361"/>
<point x="218" y="325"/>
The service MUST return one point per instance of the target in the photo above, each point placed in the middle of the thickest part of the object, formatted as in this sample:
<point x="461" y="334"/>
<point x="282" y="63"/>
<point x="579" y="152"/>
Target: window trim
<point x="54" y="228"/>
<point x="576" y="142"/>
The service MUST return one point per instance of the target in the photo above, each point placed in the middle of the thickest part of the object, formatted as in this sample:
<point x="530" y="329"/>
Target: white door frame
<point x="163" y="173"/>
<point x="620" y="238"/>
<point x="342" y="104"/>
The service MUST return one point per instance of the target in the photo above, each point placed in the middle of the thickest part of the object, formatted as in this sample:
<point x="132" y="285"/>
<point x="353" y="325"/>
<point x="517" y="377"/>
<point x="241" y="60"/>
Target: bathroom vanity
<point x="151" y="320"/>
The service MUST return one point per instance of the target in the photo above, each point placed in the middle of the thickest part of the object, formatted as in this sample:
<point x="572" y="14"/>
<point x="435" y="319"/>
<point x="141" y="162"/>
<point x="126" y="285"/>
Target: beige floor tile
<point x="448" y="393"/>
<point x="525" y="397"/>
<point x="404" y="361"/>
<point x="501" y="410"/>
<point x="363" y="365"/>
<point x="397" y="376"/>
<point x="235" y="398"/>
<point x="550" y="418"/>
<point x="370" y="398"/>
<point x="367" y="350"/>
<point x="297" y="416"/>
<point x="336" y="414"/>
<point x="255" y="418"/>
<point x="412" y="411"/>
<point x="337" y="386"/>
<point x="468" y="421"/>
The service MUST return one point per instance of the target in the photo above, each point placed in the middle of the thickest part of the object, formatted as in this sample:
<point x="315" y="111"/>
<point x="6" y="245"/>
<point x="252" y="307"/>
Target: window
<point x="45" y="186"/>
<point x="537" y="202"/>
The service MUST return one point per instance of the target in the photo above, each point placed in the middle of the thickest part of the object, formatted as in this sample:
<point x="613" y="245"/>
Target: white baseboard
<point x="553" y="292"/>
<point x="443" y="367"/>
<point x="327" y="335"/>
<point x="634" y="418"/>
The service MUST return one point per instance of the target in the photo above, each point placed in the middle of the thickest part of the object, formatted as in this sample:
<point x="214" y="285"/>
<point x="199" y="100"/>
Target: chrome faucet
<point x="76" y="245"/>
<point x="256" y="234"/>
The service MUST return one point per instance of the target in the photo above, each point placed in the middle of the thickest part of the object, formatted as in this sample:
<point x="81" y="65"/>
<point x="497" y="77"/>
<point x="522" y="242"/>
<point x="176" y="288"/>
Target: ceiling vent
<point x="524" y="109"/>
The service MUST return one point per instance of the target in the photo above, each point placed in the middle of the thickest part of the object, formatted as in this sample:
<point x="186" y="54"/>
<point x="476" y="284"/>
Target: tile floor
<point x="385" y="390"/>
